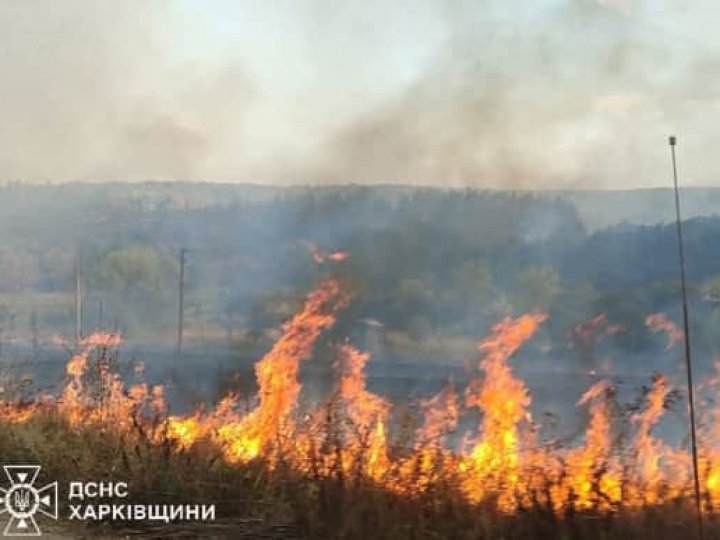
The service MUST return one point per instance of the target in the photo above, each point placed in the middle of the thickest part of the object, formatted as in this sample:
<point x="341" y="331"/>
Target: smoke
<point x="524" y="94"/>
<point x="581" y="95"/>
<point x="90" y="93"/>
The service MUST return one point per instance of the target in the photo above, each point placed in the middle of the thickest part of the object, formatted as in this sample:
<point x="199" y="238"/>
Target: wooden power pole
<point x="181" y="302"/>
<point x="78" y="302"/>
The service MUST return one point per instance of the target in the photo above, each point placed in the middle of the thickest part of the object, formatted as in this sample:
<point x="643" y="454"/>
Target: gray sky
<point x="487" y="93"/>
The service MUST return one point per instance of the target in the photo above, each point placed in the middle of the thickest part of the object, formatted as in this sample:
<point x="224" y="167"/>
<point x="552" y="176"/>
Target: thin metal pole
<point x="688" y="353"/>
<point x="181" y="302"/>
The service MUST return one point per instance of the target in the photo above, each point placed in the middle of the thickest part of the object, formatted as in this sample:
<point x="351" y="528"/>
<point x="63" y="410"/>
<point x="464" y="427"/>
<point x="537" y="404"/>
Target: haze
<point x="522" y="94"/>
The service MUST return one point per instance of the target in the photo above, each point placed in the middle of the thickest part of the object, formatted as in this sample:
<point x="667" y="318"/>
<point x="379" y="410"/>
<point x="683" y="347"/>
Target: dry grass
<point x="320" y="495"/>
<point x="256" y="501"/>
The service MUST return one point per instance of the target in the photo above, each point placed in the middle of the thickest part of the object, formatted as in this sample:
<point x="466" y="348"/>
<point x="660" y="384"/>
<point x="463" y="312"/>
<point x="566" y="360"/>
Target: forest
<point x="423" y="263"/>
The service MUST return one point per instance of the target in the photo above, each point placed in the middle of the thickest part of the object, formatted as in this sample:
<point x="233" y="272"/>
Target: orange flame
<point x="593" y="478"/>
<point x="366" y="413"/>
<point x="659" y="322"/>
<point x="245" y="437"/>
<point x="505" y="465"/>
<point x="504" y="400"/>
<point x="320" y="257"/>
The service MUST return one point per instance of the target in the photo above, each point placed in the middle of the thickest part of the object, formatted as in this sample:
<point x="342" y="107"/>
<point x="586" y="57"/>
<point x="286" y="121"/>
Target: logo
<point x="22" y="500"/>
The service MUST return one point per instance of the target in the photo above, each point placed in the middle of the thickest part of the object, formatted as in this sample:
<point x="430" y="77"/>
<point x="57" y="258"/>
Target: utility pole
<point x="181" y="302"/>
<point x="672" y="140"/>
<point x="35" y="331"/>
<point x="78" y="302"/>
<point x="100" y="316"/>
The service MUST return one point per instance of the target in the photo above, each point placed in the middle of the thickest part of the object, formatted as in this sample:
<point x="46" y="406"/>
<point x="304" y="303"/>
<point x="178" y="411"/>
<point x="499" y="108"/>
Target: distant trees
<point x="473" y="281"/>
<point x="421" y="261"/>
<point x="537" y="288"/>
<point x="134" y="269"/>
<point x="19" y="270"/>
<point x="138" y="283"/>
<point x="469" y="293"/>
<point x="711" y="289"/>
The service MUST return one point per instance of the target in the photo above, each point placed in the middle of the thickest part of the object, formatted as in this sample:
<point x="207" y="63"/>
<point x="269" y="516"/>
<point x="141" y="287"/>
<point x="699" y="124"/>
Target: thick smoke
<point x="524" y="94"/>
<point x="574" y="96"/>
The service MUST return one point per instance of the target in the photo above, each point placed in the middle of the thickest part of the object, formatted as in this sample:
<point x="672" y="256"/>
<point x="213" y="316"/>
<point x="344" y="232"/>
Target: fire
<point x="187" y="431"/>
<point x="366" y="414"/>
<point x="17" y="412"/>
<point x="710" y="439"/>
<point x="101" y="339"/>
<point x="320" y="257"/>
<point x="659" y="322"/>
<point x="245" y="437"/>
<point x="431" y="458"/>
<point x="494" y="462"/>
<point x="106" y="399"/>
<point x="587" y="334"/>
<point x="648" y="448"/>
<point x="277" y="375"/>
<point x="593" y="477"/>
<point x="94" y="394"/>
<point x="350" y="436"/>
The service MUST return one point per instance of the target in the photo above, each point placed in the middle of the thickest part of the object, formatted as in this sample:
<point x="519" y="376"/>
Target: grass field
<point x="256" y="500"/>
<point x="354" y="466"/>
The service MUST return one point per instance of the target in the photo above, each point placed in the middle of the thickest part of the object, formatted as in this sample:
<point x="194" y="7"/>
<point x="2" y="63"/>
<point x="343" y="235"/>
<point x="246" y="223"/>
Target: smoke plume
<point x="523" y="94"/>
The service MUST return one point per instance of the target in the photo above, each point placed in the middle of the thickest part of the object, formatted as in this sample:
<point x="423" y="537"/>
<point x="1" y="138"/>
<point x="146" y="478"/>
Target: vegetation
<point x="101" y="435"/>
<point x="424" y="262"/>
<point x="256" y="502"/>
<point x="424" y="268"/>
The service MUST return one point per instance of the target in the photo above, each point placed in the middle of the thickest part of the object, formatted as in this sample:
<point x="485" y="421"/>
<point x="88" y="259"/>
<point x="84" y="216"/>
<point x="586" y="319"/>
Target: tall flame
<point x="503" y="399"/>
<point x="349" y="436"/>
<point x="245" y="437"/>
<point x="592" y="479"/>
<point x="366" y="412"/>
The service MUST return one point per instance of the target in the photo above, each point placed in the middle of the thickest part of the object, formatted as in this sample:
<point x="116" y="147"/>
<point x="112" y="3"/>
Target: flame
<point x="366" y="414"/>
<point x="350" y="436"/>
<point x="18" y="412"/>
<point x="587" y="334"/>
<point x="709" y="433"/>
<point x="320" y="257"/>
<point x="592" y="478"/>
<point x="494" y="462"/>
<point x="659" y="322"/>
<point x="431" y="459"/>
<point x="245" y="437"/>
<point x="662" y="473"/>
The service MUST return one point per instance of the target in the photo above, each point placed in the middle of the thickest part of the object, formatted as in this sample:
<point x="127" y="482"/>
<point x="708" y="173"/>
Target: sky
<point x="517" y="94"/>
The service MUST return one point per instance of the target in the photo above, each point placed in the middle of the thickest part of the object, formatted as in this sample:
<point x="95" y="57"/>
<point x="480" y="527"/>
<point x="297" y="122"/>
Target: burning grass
<point x="340" y="471"/>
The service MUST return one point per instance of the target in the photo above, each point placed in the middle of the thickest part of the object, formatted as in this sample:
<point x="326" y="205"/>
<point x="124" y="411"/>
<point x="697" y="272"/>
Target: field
<point x="354" y="465"/>
<point x="360" y="270"/>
